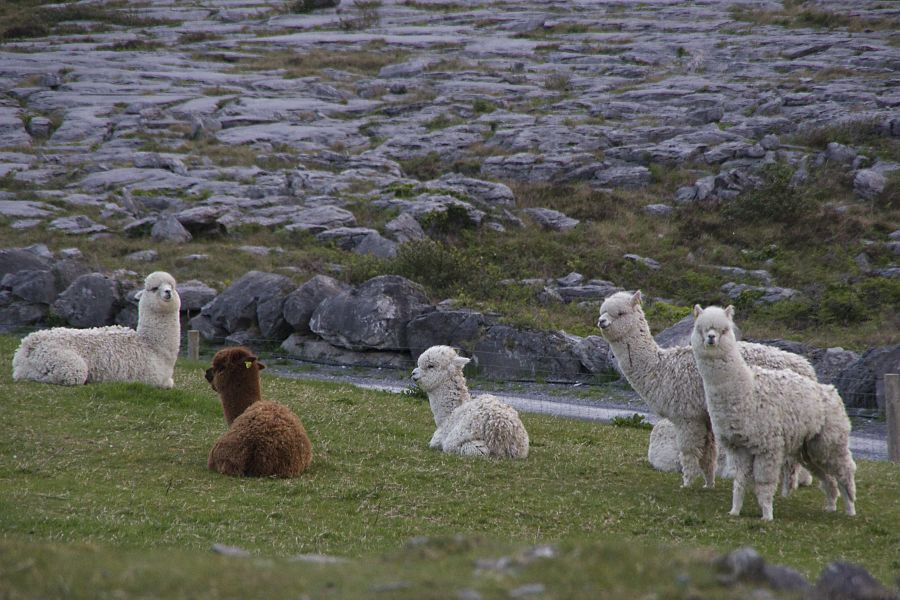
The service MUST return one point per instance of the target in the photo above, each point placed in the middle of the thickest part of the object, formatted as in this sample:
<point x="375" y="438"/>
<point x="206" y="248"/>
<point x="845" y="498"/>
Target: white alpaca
<point x="763" y="416"/>
<point x="75" y="356"/>
<point x="480" y="426"/>
<point x="667" y="379"/>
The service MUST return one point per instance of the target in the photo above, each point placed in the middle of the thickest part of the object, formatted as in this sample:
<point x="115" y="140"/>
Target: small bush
<point x="366" y="15"/>
<point x="447" y="222"/>
<point x="775" y="201"/>
<point x="842" y="305"/>
<point x="424" y="167"/>
<point x="443" y="269"/>
<point x="481" y="106"/>
<point x="636" y="421"/>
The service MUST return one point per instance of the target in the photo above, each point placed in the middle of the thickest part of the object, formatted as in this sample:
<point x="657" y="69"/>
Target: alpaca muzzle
<point x="209" y="375"/>
<point x="603" y="322"/>
<point x="711" y="339"/>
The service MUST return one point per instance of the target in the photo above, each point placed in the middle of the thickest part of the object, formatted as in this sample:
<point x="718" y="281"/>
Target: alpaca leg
<point x="474" y="448"/>
<point x="709" y="460"/>
<point x="845" y="475"/>
<point x="691" y="439"/>
<point x="766" y="471"/>
<point x="65" y="367"/>
<point x="229" y="456"/>
<point x="790" y="476"/>
<point x="743" y="466"/>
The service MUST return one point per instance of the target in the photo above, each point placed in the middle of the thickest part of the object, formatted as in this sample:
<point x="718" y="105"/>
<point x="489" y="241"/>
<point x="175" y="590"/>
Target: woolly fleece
<point x="264" y="439"/>
<point x="68" y="356"/>
<point x="480" y="426"/>
<point x="763" y="415"/>
<point x="667" y="379"/>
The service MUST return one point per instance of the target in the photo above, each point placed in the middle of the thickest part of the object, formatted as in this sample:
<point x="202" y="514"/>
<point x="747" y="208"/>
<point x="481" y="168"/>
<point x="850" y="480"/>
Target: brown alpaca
<point x="264" y="439"/>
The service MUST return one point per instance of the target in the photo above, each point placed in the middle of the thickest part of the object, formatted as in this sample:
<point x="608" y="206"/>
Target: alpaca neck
<point x="638" y="357"/>
<point x="726" y="374"/>
<point x="161" y="332"/>
<point x="236" y="397"/>
<point x="444" y="400"/>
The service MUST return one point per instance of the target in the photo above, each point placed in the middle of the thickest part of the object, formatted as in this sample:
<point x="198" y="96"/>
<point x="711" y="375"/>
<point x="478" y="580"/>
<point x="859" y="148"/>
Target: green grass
<point x="106" y="487"/>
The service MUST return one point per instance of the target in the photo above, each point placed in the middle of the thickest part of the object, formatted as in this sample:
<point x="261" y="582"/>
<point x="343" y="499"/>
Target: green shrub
<point x="443" y="269"/>
<point x="481" y="105"/>
<point x="665" y="314"/>
<point x="842" y="305"/>
<point x="776" y="200"/>
<point x="447" y="222"/>
<point x="637" y="421"/>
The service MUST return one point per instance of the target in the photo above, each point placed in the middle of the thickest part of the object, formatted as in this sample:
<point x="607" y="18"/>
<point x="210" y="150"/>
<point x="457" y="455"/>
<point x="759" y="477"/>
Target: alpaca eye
<point x="153" y="289"/>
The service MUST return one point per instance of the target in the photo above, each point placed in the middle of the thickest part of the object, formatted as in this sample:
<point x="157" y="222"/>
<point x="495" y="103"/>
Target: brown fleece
<point x="264" y="439"/>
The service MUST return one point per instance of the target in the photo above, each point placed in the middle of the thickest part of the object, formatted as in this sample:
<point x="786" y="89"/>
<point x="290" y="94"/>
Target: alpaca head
<point x="233" y="369"/>
<point x="621" y="315"/>
<point x="159" y="294"/>
<point x="714" y="330"/>
<point x="436" y="366"/>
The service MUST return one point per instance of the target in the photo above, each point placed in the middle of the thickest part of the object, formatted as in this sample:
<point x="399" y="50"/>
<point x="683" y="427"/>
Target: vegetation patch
<point x="798" y="14"/>
<point x="37" y="18"/>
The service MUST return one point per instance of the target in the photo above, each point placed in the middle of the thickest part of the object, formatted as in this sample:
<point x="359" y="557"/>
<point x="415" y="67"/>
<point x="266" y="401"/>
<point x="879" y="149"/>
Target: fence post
<point x="892" y="408"/>
<point x="194" y="344"/>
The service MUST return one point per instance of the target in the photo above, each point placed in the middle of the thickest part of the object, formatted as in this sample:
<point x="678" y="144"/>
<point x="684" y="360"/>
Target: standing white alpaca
<point x="668" y="381"/>
<point x="75" y="356"/>
<point x="762" y="416"/>
<point x="480" y="426"/>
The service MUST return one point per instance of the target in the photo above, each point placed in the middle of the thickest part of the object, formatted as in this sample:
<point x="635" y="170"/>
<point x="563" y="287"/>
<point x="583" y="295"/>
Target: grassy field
<point x="105" y="487"/>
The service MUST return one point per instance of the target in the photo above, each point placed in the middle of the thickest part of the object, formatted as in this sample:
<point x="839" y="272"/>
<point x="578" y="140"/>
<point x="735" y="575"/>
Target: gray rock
<point x="626" y="177"/>
<point x="345" y="238"/>
<point x="13" y="260"/>
<point x="868" y="184"/>
<point x="551" y="219"/>
<point x="140" y="227"/>
<point x="143" y="256"/>
<point x="194" y="295"/>
<point x="829" y="363"/>
<point x="647" y="262"/>
<point x="375" y="245"/>
<point x="321" y="218"/>
<point x="659" y="210"/>
<point x="26" y="209"/>
<point x="678" y="334"/>
<point x="169" y="229"/>
<point x="861" y="385"/>
<point x="839" y="153"/>
<point x="594" y="354"/>
<point x="236" y="308"/>
<point x="405" y="228"/>
<point x="373" y="316"/>
<point x="152" y="160"/>
<point x="321" y="352"/>
<point x="77" y="225"/>
<point x="572" y="279"/>
<point x="767" y="295"/>
<point x="39" y="127"/>
<point x="505" y="352"/>
<point x="457" y="328"/>
<point x="745" y="565"/>
<point x="93" y="300"/>
<point x="36" y="287"/>
<point x="845" y="581"/>
<point x="208" y="330"/>
<point x="487" y="194"/>
<point x="593" y="290"/>
<point x="15" y="313"/>
<point x="300" y="304"/>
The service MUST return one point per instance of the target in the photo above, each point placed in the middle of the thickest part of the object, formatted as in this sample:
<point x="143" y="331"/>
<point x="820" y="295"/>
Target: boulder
<point x="678" y="334"/>
<point x="505" y="352"/>
<point x="373" y="316"/>
<point x="845" y="581"/>
<point x="405" y="228"/>
<point x="194" y="295"/>
<point x="868" y="184"/>
<point x="13" y="260"/>
<point x="551" y="219"/>
<point x="829" y="363"/>
<point x="594" y="354"/>
<point x="457" y="328"/>
<point x="169" y="229"/>
<point x="318" y="351"/>
<point x="300" y="304"/>
<point x="15" y="313"/>
<point x="254" y="300"/>
<point x="36" y="287"/>
<point x="77" y="225"/>
<point x="93" y="300"/>
<point x="375" y="245"/>
<point x="746" y="566"/>
<point x="861" y="385"/>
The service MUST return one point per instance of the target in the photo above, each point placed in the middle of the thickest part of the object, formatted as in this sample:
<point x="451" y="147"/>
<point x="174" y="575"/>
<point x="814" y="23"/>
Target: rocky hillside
<point x="521" y="159"/>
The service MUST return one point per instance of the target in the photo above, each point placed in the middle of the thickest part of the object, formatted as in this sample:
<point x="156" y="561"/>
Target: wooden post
<point x="892" y="408"/>
<point x="194" y="344"/>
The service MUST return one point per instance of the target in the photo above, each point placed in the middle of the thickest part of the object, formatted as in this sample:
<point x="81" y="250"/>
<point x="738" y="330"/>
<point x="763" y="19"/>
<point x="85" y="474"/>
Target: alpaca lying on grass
<point x="763" y="416"/>
<point x="264" y="439"/>
<point x="75" y="356"/>
<point x="667" y="379"/>
<point x="480" y="426"/>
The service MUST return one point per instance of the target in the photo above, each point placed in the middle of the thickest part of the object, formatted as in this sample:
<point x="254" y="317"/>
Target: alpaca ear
<point x="139" y="294"/>
<point x="260" y="365"/>
<point x="460" y="361"/>
<point x="636" y="298"/>
<point x="697" y="311"/>
<point x="729" y="312"/>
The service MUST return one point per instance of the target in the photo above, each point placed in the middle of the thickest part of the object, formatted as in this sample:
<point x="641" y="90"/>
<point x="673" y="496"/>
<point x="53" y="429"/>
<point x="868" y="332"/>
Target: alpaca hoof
<point x="767" y="518"/>
<point x="830" y="508"/>
<point x="734" y="513"/>
<point x="851" y="511"/>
